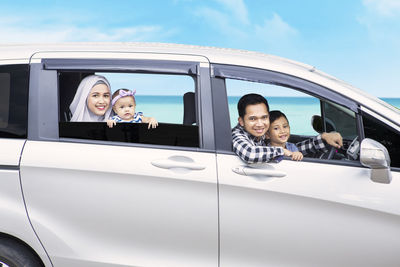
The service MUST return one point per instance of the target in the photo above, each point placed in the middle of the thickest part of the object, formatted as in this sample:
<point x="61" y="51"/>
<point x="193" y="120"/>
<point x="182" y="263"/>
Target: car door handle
<point x="260" y="172"/>
<point x="178" y="162"/>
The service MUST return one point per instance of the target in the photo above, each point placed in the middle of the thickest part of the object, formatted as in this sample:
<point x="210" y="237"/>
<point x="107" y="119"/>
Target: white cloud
<point x="381" y="19"/>
<point x="14" y="29"/>
<point x="386" y="8"/>
<point x="221" y="21"/>
<point x="275" y="30"/>
<point x="238" y="9"/>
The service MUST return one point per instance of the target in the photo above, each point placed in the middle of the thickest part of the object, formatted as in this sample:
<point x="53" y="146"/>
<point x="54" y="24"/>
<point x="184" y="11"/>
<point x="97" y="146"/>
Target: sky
<point x="357" y="41"/>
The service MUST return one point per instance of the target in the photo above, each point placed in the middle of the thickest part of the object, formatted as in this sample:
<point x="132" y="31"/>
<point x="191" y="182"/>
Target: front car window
<point x="339" y="119"/>
<point x="298" y="107"/>
<point x="305" y="105"/>
<point x="307" y="115"/>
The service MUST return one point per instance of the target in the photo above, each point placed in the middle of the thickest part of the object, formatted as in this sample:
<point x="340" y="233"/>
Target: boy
<point x="279" y="133"/>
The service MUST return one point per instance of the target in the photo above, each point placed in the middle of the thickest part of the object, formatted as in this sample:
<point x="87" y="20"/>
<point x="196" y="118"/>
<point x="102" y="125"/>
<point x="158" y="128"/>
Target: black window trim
<point x="120" y="65"/>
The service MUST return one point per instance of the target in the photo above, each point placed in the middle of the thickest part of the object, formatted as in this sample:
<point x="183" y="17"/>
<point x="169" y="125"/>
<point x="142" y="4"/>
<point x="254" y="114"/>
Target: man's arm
<point x="312" y="145"/>
<point x="333" y="138"/>
<point x="251" y="153"/>
<point x="317" y="143"/>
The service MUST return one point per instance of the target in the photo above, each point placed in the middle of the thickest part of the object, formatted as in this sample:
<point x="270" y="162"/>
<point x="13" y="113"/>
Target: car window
<point x="307" y="115"/>
<point x="385" y="135"/>
<point x="297" y="106"/>
<point x="170" y="99"/>
<point x="14" y="101"/>
<point x="339" y="119"/>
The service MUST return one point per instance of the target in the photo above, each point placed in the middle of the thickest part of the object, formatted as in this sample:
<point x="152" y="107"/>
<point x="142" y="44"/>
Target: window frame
<point x="366" y="112"/>
<point x="44" y="78"/>
<point x="221" y="115"/>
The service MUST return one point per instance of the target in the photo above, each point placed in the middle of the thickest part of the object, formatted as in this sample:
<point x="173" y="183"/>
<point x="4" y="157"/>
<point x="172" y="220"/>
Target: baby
<point x="123" y="104"/>
<point x="279" y="133"/>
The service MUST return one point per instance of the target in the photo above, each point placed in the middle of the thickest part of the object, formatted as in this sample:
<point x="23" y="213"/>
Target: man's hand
<point x="333" y="138"/>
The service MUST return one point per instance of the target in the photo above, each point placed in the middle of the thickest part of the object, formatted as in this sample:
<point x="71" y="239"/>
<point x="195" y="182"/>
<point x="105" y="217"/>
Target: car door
<point x="309" y="213"/>
<point x="98" y="202"/>
<point x="316" y="214"/>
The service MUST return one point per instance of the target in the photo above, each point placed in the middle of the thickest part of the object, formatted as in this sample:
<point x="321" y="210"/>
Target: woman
<point x="92" y="100"/>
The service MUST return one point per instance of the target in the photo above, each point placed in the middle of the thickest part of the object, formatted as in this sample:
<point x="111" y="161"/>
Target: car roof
<point x="23" y="53"/>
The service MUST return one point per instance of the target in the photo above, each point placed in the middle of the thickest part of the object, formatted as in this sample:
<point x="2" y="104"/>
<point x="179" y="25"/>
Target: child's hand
<point x="297" y="156"/>
<point x="153" y="123"/>
<point x="287" y="153"/>
<point x="111" y="123"/>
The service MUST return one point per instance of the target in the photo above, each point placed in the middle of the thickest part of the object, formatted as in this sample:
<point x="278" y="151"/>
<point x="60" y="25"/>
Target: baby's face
<point x="279" y="132"/>
<point x="125" y="108"/>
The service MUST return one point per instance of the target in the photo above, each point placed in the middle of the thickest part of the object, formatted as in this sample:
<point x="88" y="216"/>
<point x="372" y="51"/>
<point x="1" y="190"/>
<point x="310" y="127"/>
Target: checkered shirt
<point x="251" y="150"/>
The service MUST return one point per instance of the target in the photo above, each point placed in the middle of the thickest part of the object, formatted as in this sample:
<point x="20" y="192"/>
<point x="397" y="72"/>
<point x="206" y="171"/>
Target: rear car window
<point x="170" y="99"/>
<point x="14" y="84"/>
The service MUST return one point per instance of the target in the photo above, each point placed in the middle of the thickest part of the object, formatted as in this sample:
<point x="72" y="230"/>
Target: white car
<point x="83" y="194"/>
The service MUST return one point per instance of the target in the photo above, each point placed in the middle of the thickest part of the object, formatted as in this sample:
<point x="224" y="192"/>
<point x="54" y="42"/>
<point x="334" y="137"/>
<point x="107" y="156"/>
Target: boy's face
<point x="125" y="108"/>
<point x="279" y="132"/>
<point x="255" y="120"/>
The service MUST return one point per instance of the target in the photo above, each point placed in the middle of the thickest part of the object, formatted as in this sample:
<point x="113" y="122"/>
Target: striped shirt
<point x="137" y="118"/>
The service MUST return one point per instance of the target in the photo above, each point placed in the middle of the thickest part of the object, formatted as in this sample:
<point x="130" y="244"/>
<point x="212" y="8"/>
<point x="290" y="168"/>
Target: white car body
<point x="179" y="206"/>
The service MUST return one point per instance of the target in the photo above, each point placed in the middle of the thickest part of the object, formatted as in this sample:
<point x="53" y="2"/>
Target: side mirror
<point x="376" y="157"/>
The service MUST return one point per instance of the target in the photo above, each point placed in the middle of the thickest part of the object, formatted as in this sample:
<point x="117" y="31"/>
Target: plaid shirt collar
<point x="256" y="140"/>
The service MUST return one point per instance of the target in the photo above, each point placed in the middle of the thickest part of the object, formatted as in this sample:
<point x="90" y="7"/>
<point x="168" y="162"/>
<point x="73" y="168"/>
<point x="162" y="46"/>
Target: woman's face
<point x="98" y="100"/>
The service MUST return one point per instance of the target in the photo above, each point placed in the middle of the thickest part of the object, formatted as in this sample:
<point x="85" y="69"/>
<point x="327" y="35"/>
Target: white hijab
<point x="79" y="108"/>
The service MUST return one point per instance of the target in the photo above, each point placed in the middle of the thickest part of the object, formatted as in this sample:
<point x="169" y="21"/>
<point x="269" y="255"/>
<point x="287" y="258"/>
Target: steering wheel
<point x="352" y="152"/>
<point x="329" y="155"/>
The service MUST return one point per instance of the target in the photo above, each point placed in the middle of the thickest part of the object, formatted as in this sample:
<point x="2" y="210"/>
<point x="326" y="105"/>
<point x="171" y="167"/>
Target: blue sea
<point x="299" y="110"/>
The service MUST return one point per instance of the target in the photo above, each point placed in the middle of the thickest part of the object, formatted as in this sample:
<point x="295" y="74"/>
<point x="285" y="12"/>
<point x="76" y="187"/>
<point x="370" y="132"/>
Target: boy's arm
<point x="297" y="156"/>
<point x="251" y="153"/>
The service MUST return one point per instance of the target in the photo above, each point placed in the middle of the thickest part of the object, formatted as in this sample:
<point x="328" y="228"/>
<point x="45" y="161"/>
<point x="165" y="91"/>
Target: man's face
<point x="255" y="120"/>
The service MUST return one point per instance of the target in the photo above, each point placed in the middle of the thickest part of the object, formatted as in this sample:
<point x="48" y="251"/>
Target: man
<point x="248" y="137"/>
